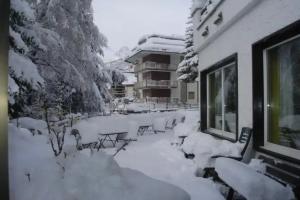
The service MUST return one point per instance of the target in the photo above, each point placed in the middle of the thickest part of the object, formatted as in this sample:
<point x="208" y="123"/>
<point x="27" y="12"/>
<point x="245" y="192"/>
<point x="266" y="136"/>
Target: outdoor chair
<point x="80" y="146"/>
<point x="144" y="128"/>
<point x="244" y="138"/>
<point x="170" y="124"/>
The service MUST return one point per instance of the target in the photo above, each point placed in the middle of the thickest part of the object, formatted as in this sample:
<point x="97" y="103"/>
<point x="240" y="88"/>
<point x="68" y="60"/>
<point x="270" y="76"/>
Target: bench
<point x="244" y="138"/>
<point x="285" y="173"/>
<point x="252" y="184"/>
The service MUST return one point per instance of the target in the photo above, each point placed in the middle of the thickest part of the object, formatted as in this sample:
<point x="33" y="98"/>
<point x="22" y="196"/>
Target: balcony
<point x="157" y="84"/>
<point x="158" y="99"/>
<point x="153" y="66"/>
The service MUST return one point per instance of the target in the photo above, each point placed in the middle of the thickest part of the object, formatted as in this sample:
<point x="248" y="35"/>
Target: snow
<point x="18" y="40"/>
<point x="96" y="91"/>
<point x="23" y="6"/>
<point x="86" y="175"/>
<point x="90" y="129"/>
<point x="204" y="146"/>
<point x="190" y="124"/>
<point x="157" y="42"/>
<point x="36" y="174"/>
<point x="25" y="68"/>
<point x="30" y="124"/>
<point x="159" y="124"/>
<point x="155" y="156"/>
<point x="251" y="184"/>
<point x="258" y="165"/>
<point x="13" y="88"/>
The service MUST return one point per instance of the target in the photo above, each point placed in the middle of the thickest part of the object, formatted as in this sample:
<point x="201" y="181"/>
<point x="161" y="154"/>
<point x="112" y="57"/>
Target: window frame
<point x="221" y="65"/>
<point x="260" y="92"/>
<point x="269" y="145"/>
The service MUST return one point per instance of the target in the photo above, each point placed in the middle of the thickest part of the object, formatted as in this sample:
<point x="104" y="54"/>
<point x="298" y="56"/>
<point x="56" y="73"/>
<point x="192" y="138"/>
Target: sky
<point x="123" y="22"/>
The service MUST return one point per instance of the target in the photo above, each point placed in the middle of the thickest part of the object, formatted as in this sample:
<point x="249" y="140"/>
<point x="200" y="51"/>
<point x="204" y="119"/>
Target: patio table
<point x="110" y="137"/>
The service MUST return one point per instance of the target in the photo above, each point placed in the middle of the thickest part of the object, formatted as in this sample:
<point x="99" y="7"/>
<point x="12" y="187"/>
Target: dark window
<point x="191" y="95"/>
<point x="219" y="99"/>
<point x="158" y="58"/>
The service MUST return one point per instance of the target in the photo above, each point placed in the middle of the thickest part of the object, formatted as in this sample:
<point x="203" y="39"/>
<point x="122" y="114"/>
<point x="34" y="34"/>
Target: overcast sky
<point x="123" y="22"/>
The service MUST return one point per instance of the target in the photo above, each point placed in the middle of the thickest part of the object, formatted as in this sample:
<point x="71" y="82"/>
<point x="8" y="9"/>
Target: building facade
<point x="156" y="59"/>
<point x="249" y="68"/>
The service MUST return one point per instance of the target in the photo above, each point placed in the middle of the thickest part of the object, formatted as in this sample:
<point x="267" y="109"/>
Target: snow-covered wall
<point x="244" y="23"/>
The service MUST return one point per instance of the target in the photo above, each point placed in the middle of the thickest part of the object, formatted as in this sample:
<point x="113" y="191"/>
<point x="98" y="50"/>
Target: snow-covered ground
<point x="35" y="173"/>
<point x="153" y="167"/>
<point x="155" y="155"/>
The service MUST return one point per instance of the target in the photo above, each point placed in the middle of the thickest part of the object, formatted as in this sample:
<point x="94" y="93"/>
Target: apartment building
<point x="156" y="58"/>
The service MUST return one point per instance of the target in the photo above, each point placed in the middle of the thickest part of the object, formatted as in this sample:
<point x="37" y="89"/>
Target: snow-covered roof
<point x="207" y="7"/>
<point x="157" y="43"/>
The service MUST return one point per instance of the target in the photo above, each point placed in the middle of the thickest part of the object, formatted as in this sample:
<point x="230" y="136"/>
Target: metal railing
<point x="148" y="83"/>
<point x="153" y="66"/>
<point x="158" y="99"/>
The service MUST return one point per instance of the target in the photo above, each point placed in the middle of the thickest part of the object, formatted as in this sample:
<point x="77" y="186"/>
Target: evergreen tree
<point x="25" y="82"/>
<point x="187" y="69"/>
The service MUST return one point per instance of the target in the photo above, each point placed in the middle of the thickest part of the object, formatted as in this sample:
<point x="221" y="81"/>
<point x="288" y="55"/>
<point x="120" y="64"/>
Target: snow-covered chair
<point x="170" y="123"/>
<point x="251" y="184"/>
<point x="244" y="138"/>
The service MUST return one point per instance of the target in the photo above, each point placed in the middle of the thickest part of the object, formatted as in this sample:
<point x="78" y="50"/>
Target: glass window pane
<point x="284" y="94"/>
<point x="230" y="98"/>
<point x="215" y="100"/>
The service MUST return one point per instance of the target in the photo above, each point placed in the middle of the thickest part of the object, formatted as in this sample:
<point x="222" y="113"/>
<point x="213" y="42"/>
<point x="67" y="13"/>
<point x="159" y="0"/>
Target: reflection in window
<point x="284" y="94"/>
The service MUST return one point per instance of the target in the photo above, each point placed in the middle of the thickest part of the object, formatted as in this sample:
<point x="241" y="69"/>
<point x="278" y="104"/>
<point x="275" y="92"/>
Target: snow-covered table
<point x="249" y="183"/>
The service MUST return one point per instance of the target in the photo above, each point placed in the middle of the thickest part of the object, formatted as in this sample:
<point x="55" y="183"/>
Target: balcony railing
<point x="158" y="99"/>
<point x="157" y="84"/>
<point x="153" y="66"/>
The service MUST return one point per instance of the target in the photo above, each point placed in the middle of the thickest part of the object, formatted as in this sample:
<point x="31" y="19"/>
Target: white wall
<point x="245" y="22"/>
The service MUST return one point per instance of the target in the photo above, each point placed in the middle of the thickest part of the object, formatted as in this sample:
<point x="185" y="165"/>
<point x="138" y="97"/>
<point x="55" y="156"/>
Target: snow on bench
<point x="249" y="183"/>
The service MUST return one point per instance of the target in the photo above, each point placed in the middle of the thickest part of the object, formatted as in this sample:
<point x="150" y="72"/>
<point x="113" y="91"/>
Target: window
<point x="222" y="100"/>
<point x="276" y="93"/>
<point x="219" y="98"/>
<point x="282" y="94"/>
<point x="191" y="95"/>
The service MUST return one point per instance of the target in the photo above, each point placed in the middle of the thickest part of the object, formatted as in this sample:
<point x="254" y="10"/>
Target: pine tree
<point x="25" y="82"/>
<point x="187" y="69"/>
